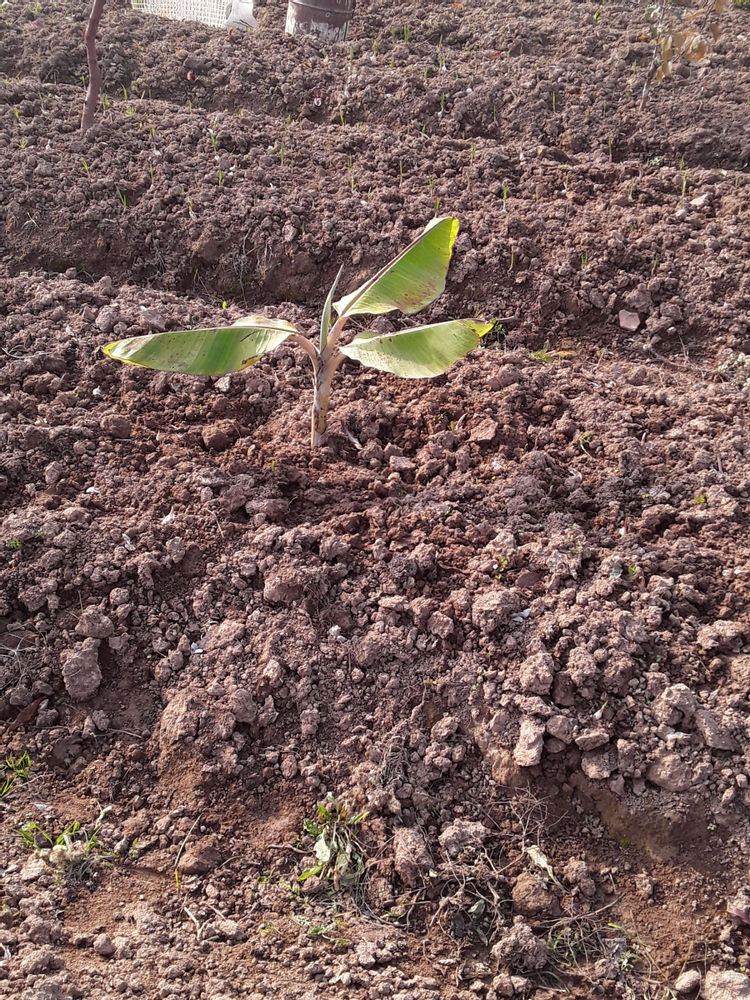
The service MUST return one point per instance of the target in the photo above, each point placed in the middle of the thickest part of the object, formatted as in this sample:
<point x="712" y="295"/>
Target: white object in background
<point x="215" y="13"/>
<point x="242" y="13"/>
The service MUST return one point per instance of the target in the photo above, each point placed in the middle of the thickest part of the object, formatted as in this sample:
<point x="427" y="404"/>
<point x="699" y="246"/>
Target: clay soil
<point x="503" y="612"/>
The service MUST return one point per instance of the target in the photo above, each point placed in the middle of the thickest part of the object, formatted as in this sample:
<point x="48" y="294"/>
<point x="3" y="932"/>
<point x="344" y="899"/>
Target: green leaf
<point x="309" y="872"/>
<point x="421" y="352"/>
<point x="322" y="849"/>
<point x="412" y="280"/>
<point x="204" y="352"/>
<point x="325" y="319"/>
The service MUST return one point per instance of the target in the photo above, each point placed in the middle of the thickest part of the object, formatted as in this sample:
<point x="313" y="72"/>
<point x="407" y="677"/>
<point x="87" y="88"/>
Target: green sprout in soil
<point x="14" y="544"/>
<point x="411" y="281"/>
<point x="18" y="769"/>
<point x="75" y="852"/>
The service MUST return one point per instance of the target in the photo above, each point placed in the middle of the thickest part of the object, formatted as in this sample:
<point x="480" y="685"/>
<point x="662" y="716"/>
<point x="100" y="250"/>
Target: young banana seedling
<point x="411" y="281"/>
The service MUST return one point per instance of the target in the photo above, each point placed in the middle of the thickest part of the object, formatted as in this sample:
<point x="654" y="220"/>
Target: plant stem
<point x="321" y="396"/>
<point x="95" y="73"/>
<point x="308" y="347"/>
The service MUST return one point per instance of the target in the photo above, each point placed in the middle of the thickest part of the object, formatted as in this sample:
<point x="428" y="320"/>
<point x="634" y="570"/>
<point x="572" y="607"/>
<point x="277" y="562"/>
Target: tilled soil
<point x="503" y="613"/>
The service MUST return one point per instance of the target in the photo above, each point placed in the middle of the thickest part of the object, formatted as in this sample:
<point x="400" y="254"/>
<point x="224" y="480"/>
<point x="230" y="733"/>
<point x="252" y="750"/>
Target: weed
<point x="544" y="355"/>
<point x="19" y="771"/>
<point x="14" y="544"/>
<point x="336" y="845"/>
<point x="75" y="852"/>
<point x="326" y="932"/>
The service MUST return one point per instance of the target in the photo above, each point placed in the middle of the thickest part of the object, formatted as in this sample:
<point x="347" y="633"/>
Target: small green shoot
<point x="584" y="440"/>
<point x="19" y="771"/>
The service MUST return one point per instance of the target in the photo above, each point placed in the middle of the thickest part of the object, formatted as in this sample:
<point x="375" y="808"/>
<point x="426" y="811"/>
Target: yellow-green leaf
<point x="412" y="280"/>
<point x="204" y="352"/>
<point x="421" y="352"/>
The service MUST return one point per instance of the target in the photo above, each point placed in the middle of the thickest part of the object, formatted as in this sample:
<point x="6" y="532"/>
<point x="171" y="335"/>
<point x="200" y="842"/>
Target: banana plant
<point x="411" y="281"/>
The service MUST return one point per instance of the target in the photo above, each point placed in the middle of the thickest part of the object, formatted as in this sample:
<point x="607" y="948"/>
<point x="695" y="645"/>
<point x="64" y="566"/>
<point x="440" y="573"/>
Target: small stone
<point x="688" y="982"/>
<point x="94" y="624"/>
<point x="39" y="960"/>
<point x="537" y="673"/>
<point x="561" y="728"/>
<point x="629" y="320"/>
<point x="116" y="425"/>
<point x="179" y="720"/>
<point x="720" y="636"/>
<point x="32" y="869"/>
<point x="675" y="704"/>
<point x="494" y="608"/>
<point x="400" y="464"/>
<point x="152" y="319"/>
<point x="712" y="732"/>
<point x="462" y="834"/>
<point x="725" y="986"/>
<point x="366" y="954"/>
<point x="200" y="859"/>
<point x="528" y="750"/>
<point x="219" y="436"/>
<point x="176" y="549"/>
<point x="80" y="669"/>
<point x="532" y="899"/>
<point x="701" y="200"/>
<point x="54" y="473"/>
<point x="598" y="764"/>
<point x="440" y="625"/>
<point x="484" y="431"/>
<point x="590" y="739"/>
<point x="242" y="706"/>
<point x="229" y="929"/>
<point x="519" y="949"/>
<point x="411" y="859"/>
<point x="671" y="773"/>
<point x="107" y="318"/>
<point x="289" y="766"/>
<point x="103" y="945"/>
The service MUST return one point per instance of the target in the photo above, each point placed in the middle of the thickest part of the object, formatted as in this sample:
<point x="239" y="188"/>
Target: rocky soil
<point x="503" y="613"/>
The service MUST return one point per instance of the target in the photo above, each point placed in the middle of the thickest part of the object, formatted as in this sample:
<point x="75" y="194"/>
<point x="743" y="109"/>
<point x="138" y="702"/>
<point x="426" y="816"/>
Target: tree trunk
<point x="95" y="74"/>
